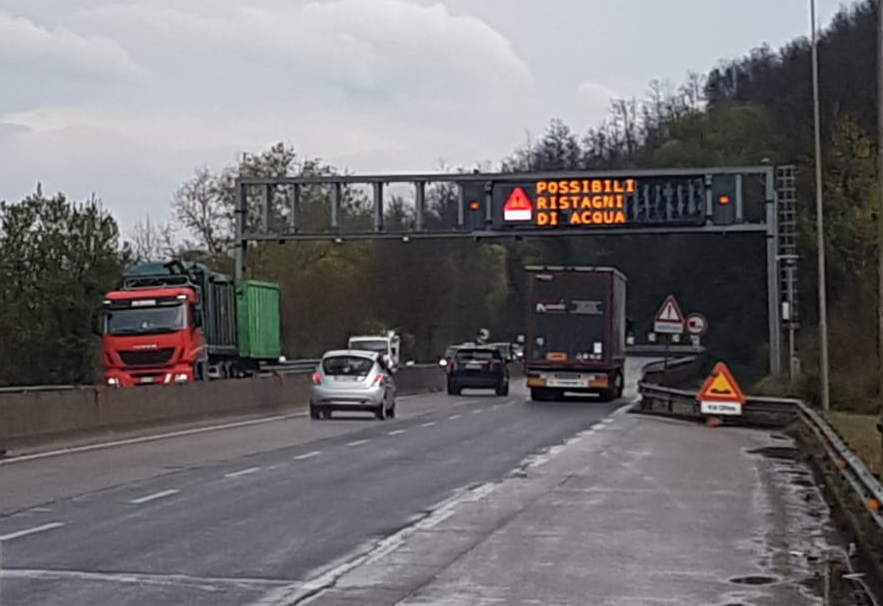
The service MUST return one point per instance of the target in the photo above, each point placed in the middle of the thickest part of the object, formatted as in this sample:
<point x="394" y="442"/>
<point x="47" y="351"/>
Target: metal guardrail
<point x="290" y="367"/>
<point x="658" y="349"/>
<point x="776" y="412"/>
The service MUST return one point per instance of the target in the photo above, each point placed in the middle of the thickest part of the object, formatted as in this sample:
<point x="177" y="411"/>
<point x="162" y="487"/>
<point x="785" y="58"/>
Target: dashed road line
<point x="396" y="432"/>
<point x="241" y="472"/>
<point x="357" y="443"/>
<point x="430" y="424"/>
<point x="478" y="411"/>
<point x="454" y="417"/>
<point x="30" y="531"/>
<point x="308" y="455"/>
<point x="156" y="495"/>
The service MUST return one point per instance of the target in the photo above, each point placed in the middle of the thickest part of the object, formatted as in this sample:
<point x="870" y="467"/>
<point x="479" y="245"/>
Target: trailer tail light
<point x="317" y="378"/>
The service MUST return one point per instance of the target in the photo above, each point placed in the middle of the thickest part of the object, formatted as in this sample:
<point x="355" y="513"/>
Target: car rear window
<point x="478" y="355"/>
<point x="347" y="366"/>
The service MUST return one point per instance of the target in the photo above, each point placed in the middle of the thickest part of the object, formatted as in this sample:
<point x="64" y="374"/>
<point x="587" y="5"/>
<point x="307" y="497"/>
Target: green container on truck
<point x="258" y="315"/>
<point x="240" y="322"/>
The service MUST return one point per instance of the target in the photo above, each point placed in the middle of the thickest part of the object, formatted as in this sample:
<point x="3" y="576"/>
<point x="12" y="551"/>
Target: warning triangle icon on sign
<point x="518" y="206"/>
<point x="670" y="312"/>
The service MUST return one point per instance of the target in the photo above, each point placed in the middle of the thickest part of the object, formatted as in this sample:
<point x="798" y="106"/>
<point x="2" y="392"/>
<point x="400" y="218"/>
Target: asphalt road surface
<point x="233" y="516"/>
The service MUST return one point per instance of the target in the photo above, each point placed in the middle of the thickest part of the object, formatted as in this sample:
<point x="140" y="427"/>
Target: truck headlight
<point x="181" y="378"/>
<point x="113" y="382"/>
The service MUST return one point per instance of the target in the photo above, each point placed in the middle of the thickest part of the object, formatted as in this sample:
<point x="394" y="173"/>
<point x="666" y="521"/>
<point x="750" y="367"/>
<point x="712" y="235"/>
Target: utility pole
<point x="820" y="220"/>
<point x="880" y="179"/>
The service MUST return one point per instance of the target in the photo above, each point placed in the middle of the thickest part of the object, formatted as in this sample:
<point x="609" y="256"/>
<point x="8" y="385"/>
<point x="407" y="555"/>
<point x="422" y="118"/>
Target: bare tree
<point x="152" y="241"/>
<point x="201" y="208"/>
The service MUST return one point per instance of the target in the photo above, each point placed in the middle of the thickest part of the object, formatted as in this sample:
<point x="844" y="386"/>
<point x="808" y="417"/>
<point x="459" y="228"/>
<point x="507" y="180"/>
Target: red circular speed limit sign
<point x="697" y="324"/>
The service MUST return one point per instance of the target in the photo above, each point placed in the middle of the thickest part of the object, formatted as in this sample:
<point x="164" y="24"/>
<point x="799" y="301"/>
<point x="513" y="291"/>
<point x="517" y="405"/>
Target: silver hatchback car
<point x="353" y="380"/>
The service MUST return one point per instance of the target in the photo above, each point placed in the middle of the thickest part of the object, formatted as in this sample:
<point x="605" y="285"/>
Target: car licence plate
<point x="147" y="379"/>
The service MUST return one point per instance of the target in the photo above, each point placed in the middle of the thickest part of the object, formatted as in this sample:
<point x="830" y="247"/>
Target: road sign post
<point x="721" y="394"/>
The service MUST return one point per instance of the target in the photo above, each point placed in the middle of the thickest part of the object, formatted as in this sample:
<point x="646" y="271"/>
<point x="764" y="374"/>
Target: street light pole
<point x="820" y="220"/>
<point x="880" y="178"/>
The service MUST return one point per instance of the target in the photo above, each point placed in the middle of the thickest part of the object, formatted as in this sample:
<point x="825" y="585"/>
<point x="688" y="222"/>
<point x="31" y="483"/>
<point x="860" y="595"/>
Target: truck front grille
<point x="148" y="357"/>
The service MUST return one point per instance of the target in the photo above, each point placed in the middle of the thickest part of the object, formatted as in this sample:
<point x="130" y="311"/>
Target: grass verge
<point x="860" y="433"/>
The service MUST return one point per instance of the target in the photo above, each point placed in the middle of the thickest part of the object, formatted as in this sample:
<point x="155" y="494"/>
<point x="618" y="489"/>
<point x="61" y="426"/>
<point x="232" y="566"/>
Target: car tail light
<point x="378" y="380"/>
<point x="317" y="378"/>
<point x="495" y="365"/>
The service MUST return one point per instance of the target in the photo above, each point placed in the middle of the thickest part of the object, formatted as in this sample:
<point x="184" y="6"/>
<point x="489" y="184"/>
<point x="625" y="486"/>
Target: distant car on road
<point x="450" y="351"/>
<point x="354" y="380"/>
<point x="480" y="367"/>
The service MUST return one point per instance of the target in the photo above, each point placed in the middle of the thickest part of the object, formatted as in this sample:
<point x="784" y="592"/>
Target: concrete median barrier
<point x="38" y="417"/>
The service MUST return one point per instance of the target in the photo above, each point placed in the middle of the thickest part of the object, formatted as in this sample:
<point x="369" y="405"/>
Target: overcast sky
<point x="125" y="98"/>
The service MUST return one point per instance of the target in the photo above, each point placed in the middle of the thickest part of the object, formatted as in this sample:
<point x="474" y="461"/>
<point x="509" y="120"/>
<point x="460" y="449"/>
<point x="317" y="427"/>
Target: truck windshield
<point x="145" y="320"/>
<point x="377" y="346"/>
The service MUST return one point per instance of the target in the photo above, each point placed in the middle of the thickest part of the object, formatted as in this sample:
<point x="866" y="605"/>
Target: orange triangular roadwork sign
<point x="721" y="386"/>
<point x="518" y="207"/>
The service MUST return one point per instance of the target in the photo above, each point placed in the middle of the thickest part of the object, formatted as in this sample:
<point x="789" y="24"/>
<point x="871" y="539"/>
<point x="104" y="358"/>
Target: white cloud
<point x="60" y="51"/>
<point x="381" y="47"/>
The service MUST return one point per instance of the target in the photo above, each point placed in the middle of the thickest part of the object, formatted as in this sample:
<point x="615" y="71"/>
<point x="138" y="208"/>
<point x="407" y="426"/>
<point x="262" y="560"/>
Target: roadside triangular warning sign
<point x="721" y="386"/>
<point x="518" y="207"/>
<point x="670" y="312"/>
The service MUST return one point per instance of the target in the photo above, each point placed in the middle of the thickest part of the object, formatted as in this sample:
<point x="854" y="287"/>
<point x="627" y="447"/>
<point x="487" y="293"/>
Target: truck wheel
<point x="619" y="382"/>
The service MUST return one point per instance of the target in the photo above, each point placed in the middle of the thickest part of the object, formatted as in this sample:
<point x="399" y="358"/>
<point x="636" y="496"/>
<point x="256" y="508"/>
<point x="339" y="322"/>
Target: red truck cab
<point x="151" y="336"/>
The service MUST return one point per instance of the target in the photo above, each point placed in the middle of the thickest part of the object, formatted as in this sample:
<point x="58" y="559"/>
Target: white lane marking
<point x="453" y="417"/>
<point x="241" y="472"/>
<point x="357" y="443"/>
<point x="430" y="424"/>
<point x="478" y="411"/>
<point x="154" y="496"/>
<point x="172" y="580"/>
<point x="396" y="432"/>
<point x="495" y="406"/>
<point x="308" y="455"/>
<point x="142" y="439"/>
<point x="29" y="531"/>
